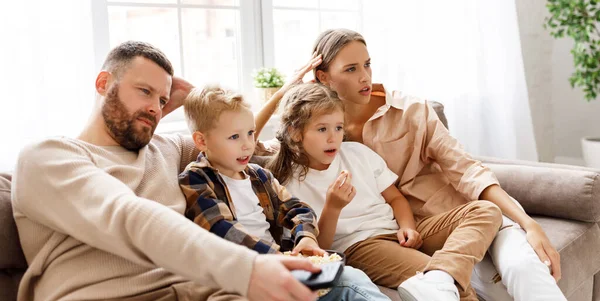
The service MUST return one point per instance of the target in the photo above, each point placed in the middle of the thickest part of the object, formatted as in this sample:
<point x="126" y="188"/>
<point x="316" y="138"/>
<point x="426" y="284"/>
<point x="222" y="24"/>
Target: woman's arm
<point x="265" y="113"/>
<point x="536" y="236"/>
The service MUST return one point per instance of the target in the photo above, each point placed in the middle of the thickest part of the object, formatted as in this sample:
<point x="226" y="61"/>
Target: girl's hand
<point x="308" y="246"/>
<point x="341" y="191"/>
<point x="409" y="238"/>
<point x="542" y="247"/>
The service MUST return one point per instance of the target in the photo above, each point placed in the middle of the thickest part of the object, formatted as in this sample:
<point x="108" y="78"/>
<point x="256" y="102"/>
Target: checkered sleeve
<point x="294" y="214"/>
<point x="211" y="213"/>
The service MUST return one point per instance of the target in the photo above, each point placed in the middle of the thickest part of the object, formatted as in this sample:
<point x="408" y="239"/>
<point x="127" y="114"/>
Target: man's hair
<point x="204" y="107"/>
<point x="118" y="58"/>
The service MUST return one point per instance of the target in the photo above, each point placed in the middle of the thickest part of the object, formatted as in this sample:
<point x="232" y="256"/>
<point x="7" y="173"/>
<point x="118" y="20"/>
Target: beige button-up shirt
<point x="435" y="173"/>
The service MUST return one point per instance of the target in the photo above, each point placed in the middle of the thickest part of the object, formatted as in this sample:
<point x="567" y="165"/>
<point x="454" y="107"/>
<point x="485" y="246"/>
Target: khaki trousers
<point x="453" y="242"/>
<point x="185" y="291"/>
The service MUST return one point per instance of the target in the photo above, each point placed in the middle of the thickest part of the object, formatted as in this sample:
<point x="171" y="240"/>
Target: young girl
<point x="363" y="214"/>
<point x="435" y="174"/>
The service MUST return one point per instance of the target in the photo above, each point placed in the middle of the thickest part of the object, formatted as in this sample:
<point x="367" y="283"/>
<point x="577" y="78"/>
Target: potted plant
<point x="578" y="19"/>
<point x="267" y="81"/>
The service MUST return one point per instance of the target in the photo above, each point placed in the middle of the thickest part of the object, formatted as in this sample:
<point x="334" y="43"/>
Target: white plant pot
<point x="264" y="94"/>
<point x="591" y="151"/>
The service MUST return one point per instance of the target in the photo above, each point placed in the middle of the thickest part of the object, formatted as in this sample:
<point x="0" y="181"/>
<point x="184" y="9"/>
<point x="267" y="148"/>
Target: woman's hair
<point x="330" y="42"/>
<point x="300" y="104"/>
<point x="204" y="107"/>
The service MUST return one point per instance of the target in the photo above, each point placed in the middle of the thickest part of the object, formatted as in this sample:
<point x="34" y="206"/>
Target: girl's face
<point x="322" y="137"/>
<point x="349" y="74"/>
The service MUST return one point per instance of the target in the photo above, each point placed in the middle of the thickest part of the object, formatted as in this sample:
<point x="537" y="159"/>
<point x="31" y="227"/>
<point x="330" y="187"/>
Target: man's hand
<point x="180" y="89"/>
<point x="341" y="191"/>
<point x="308" y="246"/>
<point x="271" y="279"/>
<point x="409" y="238"/>
<point x="542" y="247"/>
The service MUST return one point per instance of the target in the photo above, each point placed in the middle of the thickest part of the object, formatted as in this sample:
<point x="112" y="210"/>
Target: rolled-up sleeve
<point x="467" y="175"/>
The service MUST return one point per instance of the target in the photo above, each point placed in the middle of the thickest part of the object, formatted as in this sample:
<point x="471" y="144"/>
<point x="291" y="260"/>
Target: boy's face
<point x="230" y="144"/>
<point x="322" y="138"/>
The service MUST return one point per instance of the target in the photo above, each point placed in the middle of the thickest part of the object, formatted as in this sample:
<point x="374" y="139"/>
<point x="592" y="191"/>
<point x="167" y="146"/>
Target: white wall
<point x="561" y="116"/>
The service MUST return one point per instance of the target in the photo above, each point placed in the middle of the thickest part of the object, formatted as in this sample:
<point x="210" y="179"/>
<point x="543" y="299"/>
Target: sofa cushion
<point x="9" y="284"/>
<point x="578" y="244"/>
<point x="11" y="254"/>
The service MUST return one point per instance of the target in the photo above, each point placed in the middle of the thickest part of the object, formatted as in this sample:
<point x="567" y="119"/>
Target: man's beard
<point x="121" y="124"/>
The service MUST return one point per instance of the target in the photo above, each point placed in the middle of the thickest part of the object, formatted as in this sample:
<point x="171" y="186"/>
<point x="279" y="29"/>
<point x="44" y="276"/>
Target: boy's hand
<point x="341" y="191"/>
<point x="409" y="238"/>
<point x="308" y="246"/>
<point x="271" y="279"/>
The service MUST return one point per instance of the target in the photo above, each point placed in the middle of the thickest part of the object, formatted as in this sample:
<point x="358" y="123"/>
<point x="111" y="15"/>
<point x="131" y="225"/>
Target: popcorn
<point x="319" y="260"/>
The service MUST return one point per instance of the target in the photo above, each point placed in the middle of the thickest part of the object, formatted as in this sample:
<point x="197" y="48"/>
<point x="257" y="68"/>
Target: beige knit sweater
<point x="102" y="222"/>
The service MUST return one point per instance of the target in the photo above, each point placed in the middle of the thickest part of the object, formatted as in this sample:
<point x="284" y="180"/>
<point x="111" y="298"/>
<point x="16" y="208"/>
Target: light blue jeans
<point x="354" y="285"/>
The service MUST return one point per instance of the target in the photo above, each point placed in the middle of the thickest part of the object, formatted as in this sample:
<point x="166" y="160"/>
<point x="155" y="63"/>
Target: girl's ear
<point x="200" y="141"/>
<point x="295" y="134"/>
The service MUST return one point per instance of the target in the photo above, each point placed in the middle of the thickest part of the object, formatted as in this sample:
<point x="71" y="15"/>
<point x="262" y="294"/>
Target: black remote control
<point x="329" y="274"/>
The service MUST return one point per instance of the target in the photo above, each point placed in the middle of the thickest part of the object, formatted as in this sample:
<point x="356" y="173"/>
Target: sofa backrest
<point x="12" y="260"/>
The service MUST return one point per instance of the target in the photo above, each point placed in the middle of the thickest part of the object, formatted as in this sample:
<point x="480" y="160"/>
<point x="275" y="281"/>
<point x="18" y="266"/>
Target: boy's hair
<point x="300" y="104"/>
<point x="204" y="107"/>
<point x="118" y="58"/>
<point x="330" y="42"/>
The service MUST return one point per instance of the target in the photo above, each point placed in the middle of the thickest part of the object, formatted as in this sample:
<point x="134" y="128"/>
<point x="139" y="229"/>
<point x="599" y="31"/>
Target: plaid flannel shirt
<point x="209" y="204"/>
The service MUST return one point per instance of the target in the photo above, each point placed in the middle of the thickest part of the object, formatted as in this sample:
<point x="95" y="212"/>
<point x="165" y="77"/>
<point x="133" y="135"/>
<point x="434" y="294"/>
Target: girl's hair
<point x="330" y="42"/>
<point x="300" y="104"/>
<point x="204" y="107"/>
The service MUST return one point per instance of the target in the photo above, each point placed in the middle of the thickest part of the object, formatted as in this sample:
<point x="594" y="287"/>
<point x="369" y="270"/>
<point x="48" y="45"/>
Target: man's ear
<point x="200" y="141"/>
<point x="102" y="82"/>
<point x="323" y="77"/>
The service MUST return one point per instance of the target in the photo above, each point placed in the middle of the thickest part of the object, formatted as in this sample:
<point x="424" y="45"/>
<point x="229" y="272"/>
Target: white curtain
<point x="465" y="54"/>
<point x="46" y="72"/>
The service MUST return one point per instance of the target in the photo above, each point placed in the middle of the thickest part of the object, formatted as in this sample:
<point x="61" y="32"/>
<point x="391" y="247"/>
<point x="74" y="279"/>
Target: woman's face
<point x="349" y="73"/>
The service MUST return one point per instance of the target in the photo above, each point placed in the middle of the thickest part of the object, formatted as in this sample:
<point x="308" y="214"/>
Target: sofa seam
<point x="581" y="284"/>
<point x="595" y="179"/>
<point x="579" y="236"/>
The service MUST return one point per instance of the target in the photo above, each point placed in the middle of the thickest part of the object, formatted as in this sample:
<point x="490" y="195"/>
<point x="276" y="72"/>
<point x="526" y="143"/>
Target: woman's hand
<point x="541" y="245"/>
<point x="299" y="74"/>
<point x="265" y="113"/>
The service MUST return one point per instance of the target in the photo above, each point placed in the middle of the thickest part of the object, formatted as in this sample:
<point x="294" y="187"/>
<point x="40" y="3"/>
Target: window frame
<point x="256" y="39"/>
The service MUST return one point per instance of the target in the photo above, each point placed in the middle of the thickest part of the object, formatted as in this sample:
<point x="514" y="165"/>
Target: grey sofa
<point x="564" y="199"/>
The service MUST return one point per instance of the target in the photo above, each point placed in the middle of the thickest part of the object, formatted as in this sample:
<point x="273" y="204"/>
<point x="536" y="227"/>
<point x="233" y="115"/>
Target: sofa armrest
<point x="554" y="190"/>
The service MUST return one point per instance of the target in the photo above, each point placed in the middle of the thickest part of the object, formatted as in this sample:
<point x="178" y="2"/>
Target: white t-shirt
<point x="248" y="211"/>
<point x="368" y="214"/>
